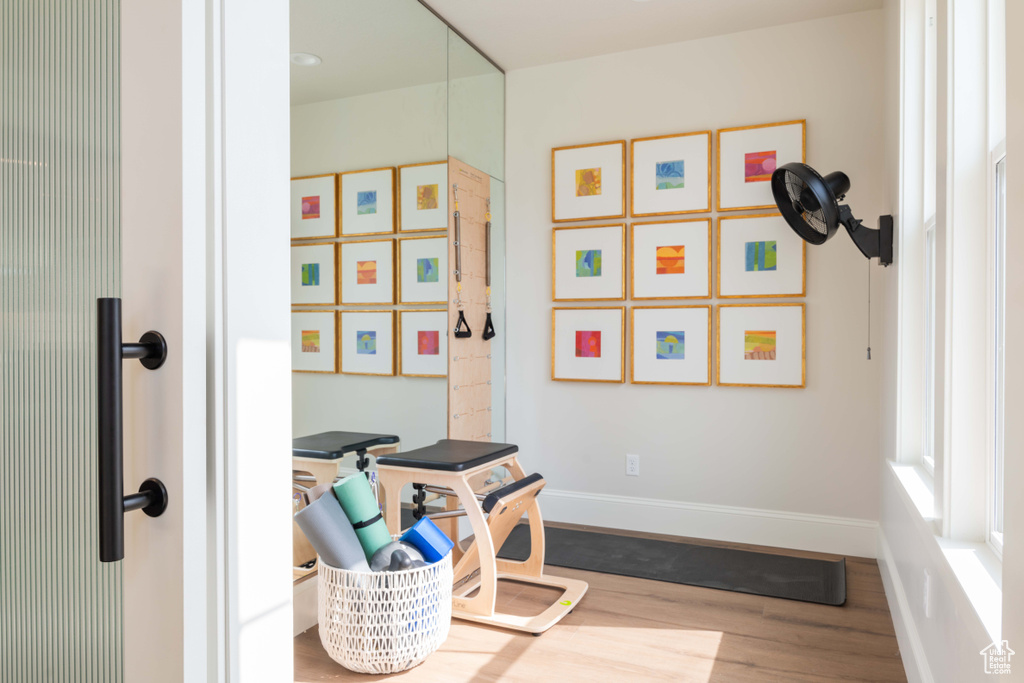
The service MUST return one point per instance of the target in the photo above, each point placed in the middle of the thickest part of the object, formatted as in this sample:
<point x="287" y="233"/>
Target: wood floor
<point x="628" y="629"/>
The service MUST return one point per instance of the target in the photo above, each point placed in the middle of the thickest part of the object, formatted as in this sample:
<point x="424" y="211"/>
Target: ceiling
<point x="524" y="33"/>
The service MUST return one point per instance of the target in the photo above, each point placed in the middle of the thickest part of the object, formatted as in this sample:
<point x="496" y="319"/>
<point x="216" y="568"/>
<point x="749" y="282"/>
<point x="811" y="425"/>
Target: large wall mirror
<point x="389" y="109"/>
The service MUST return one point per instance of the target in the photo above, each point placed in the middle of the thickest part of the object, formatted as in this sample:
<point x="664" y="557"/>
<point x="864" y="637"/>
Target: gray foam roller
<point x="331" y="534"/>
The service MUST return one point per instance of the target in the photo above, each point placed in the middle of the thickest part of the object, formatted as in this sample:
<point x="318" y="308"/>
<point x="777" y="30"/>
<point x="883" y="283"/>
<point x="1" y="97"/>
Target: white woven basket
<point x="384" y="622"/>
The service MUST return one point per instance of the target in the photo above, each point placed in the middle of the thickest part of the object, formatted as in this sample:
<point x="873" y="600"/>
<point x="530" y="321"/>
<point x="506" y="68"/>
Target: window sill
<point x="974" y="566"/>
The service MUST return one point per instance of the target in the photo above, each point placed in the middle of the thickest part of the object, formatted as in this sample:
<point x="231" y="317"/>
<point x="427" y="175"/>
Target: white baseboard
<point x="819" y="533"/>
<point x="911" y="649"/>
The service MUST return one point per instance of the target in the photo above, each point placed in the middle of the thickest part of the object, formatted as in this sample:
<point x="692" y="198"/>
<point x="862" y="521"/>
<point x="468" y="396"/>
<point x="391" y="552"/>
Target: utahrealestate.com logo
<point x="997" y="658"/>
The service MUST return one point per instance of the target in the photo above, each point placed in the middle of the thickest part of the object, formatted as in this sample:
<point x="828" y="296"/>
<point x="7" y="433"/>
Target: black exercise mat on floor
<point x="743" y="571"/>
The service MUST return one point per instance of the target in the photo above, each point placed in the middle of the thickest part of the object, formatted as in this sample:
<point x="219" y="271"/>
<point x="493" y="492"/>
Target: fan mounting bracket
<point x="871" y="242"/>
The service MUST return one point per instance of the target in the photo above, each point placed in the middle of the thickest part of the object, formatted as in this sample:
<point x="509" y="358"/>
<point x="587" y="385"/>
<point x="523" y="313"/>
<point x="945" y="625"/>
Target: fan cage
<point x="815" y="219"/>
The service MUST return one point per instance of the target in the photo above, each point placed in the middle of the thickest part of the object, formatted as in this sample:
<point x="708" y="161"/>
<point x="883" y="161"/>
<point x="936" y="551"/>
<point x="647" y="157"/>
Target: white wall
<point x="389" y="128"/>
<point x="803" y="464"/>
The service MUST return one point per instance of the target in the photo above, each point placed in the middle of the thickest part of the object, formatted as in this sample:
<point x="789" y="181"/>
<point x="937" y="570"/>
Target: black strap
<point x="373" y="520"/>
<point x="488" y="329"/>
<point x="459" y="331"/>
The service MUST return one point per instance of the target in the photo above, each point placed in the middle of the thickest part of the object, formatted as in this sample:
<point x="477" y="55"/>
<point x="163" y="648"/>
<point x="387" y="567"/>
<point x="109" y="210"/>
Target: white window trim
<point x="994" y="538"/>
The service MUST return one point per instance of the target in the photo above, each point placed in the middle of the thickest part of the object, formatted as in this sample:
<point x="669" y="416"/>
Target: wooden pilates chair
<point x="456" y="469"/>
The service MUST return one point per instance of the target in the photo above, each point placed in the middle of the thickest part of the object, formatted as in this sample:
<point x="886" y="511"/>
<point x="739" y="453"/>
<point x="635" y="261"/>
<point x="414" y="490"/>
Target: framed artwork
<point x="367" y="342"/>
<point x="759" y="256"/>
<point x="670" y="174"/>
<point x="367" y="272"/>
<point x="671" y="259"/>
<point x="761" y="345"/>
<point x="587" y="344"/>
<point x="423" y="343"/>
<point x="315" y="341"/>
<point x="588" y="263"/>
<point x="588" y="181"/>
<point x="367" y="200"/>
<point x="312" y="207"/>
<point x="313" y="274"/>
<point x="423" y="270"/>
<point x="748" y="155"/>
<point x="670" y="345"/>
<point x="423" y="197"/>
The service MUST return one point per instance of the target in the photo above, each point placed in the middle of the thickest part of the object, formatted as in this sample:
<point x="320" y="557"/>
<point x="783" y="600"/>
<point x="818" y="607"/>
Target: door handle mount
<point x="151" y="351"/>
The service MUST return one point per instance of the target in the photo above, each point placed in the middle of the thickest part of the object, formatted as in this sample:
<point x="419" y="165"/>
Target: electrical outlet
<point x="632" y="465"/>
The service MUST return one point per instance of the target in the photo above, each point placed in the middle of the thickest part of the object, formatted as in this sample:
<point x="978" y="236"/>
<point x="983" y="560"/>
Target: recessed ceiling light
<point x="305" y="59"/>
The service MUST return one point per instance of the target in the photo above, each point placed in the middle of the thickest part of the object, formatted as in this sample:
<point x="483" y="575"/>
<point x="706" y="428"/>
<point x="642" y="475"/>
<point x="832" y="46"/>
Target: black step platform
<point x="334" y="445"/>
<point x="449" y="455"/>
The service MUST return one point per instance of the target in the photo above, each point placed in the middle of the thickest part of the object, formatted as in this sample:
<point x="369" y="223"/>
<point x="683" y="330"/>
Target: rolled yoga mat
<point x="360" y="507"/>
<point x="331" y="534"/>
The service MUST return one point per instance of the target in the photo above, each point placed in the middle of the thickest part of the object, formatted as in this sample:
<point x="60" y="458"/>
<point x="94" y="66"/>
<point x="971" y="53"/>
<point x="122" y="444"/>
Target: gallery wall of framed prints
<point x="674" y="258"/>
<point x="350" y="250"/>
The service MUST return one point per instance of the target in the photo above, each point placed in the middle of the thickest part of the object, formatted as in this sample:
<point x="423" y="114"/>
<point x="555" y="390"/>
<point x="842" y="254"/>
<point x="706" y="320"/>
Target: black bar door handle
<point x="151" y="350"/>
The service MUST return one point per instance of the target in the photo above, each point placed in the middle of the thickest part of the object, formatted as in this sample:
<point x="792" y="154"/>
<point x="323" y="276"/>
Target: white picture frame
<point x="601" y="333"/>
<point x="309" y="219"/>
<point x="423" y="343"/>
<point x="588" y="181"/>
<point x="670" y="174"/>
<point x="358" y="285"/>
<point x="314" y="341"/>
<point x="588" y="263"/>
<point x="314" y="274"/>
<point x="759" y="256"/>
<point x="419" y="209"/>
<point x="367" y="343"/>
<point x="423" y="270"/>
<point x="747" y="155"/>
<point x="367" y="201"/>
<point x="761" y="345"/>
<point x="670" y="345"/>
<point x="660" y="270"/>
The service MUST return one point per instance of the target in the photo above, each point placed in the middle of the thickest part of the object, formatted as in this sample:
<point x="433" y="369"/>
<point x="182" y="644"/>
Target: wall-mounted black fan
<point x="810" y="204"/>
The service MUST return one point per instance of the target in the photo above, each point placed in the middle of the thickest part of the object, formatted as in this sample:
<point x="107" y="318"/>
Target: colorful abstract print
<point x="426" y="197"/>
<point x="669" y="175"/>
<point x="311" y="207"/>
<point x="366" y="202"/>
<point x="588" y="344"/>
<point x="588" y="263"/>
<point x="428" y="342"/>
<point x="671" y="345"/>
<point x="758" y="166"/>
<point x="311" y="341"/>
<point x="671" y="260"/>
<point x="759" y="345"/>
<point x="426" y="270"/>
<point x="366" y="343"/>
<point x="588" y="182"/>
<point x="366" y="272"/>
<point x="310" y="274"/>
<point x="761" y="255"/>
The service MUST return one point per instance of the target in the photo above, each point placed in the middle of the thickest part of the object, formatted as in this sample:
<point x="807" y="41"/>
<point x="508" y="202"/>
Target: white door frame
<point x="205" y="158"/>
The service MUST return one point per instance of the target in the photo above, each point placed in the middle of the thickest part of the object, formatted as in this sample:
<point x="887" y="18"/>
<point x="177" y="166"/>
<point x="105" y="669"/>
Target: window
<point x="997" y="348"/>
<point x="928" y="439"/>
<point x="929" y="192"/>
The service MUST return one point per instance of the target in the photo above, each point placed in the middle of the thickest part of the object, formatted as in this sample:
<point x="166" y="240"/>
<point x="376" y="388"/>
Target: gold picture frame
<point x="398" y="269"/>
<point x="333" y="287"/>
<point x="554" y="185"/>
<point x="718" y="160"/>
<point x="334" y="213"/>
<point x="337" y="338"/>
<point x="632" y="260"/>
<point x="398" y="346"/>
<point x="632" y="343"/>
<point x="555" y="232"/>
<point x="341" y="270"/>
<point x="341" y="331"/>
<point x="341" y="201"/>
<point x="632" y="175"/>
<point x="803" y="346"/>
<point x="398" y="207"/>
<point x="622" y="345"/>
<point x="778" y="295"/>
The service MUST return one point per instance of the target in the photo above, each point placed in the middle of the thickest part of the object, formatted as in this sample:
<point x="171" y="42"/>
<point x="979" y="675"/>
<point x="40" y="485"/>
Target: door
<point x="139" y="160"/>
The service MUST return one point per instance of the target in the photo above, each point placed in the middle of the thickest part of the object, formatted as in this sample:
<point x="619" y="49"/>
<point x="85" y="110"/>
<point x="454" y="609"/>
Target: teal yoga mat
<point x="360" y="507"/>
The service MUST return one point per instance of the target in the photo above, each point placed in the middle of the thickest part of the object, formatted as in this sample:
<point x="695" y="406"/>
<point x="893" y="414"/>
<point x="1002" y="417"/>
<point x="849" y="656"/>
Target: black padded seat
<point x="449" y="455"/>
<point x="334" y="445"/>
<point x="497" y="494"/>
